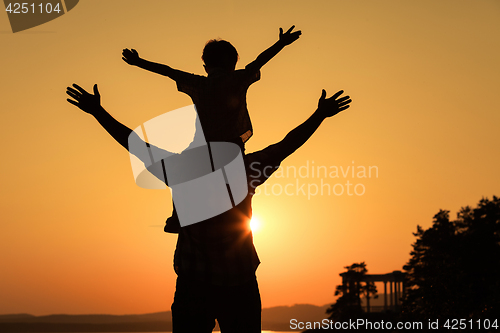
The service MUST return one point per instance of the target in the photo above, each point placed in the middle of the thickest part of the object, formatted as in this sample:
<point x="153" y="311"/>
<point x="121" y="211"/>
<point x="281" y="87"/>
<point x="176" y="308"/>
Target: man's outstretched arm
<point x="285" y="39"/>
<point x="127" y="138"/>
<point x="91" y="104"/>
<point x="327" y="107"/>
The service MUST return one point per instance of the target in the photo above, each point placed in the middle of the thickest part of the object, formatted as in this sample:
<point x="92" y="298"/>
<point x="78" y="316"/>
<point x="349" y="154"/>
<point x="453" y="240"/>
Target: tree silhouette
<point x="454" y="269"/>
<point x="348" y="305"/>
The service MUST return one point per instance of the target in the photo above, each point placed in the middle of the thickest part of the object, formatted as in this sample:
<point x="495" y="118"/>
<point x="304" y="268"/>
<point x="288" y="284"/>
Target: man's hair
<point x="219" y="53"/>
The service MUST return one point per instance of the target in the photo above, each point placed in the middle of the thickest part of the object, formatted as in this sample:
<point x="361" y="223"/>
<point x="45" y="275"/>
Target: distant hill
<point x="275" y="318"/>
<point x="151" y="322"/>
<point x="86" y="319"/>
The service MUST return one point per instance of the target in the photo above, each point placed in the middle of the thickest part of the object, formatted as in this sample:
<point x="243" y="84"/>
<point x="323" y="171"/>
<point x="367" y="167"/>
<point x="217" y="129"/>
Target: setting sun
<point x="254" y="224"/>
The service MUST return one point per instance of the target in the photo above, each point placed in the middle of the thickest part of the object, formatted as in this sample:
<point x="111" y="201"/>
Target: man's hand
<point x="85" y="101"/>
<point x="131" y="57"/>
<point x="329" y="107"/>
<point x="289" y="37"/>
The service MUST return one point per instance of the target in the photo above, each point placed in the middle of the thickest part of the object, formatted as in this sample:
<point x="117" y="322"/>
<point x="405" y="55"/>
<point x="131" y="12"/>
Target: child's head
<point x="219" y="53"/>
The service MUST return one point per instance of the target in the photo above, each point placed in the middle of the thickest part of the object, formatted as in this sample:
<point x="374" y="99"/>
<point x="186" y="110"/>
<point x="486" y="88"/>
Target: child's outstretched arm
<point x="285" y="39"/>
<point x="131" y="57"/>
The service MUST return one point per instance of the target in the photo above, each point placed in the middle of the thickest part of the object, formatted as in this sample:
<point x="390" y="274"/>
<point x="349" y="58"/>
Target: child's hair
<point x="219" y="53"/>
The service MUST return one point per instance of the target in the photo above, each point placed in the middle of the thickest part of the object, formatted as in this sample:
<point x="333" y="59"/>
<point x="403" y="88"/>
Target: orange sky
<point x="78" y="236"/>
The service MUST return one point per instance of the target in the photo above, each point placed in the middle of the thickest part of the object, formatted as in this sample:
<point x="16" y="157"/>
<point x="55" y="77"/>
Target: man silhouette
<point x="215" y="259"/>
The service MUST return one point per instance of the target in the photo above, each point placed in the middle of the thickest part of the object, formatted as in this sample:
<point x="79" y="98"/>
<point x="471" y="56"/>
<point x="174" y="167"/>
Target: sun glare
<point x="254" y="224"/>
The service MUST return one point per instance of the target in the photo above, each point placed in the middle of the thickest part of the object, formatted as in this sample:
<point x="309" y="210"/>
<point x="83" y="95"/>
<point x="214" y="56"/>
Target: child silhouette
<point x="219" y="97"/>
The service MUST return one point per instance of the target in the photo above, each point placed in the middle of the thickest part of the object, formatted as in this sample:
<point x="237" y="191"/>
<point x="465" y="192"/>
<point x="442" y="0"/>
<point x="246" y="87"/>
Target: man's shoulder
<point x="263" y="162"/>
<point x="270" y="151"/>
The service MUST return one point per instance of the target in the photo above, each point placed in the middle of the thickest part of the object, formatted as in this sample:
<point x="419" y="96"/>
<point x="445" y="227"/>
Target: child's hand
<point x="289" y="37"/>
<point x="131" y="57"/>
<point x="329" y="107"/>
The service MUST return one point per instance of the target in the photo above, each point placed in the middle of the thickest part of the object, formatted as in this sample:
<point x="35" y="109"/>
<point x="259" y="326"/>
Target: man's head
<point x="220" y="54"/>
